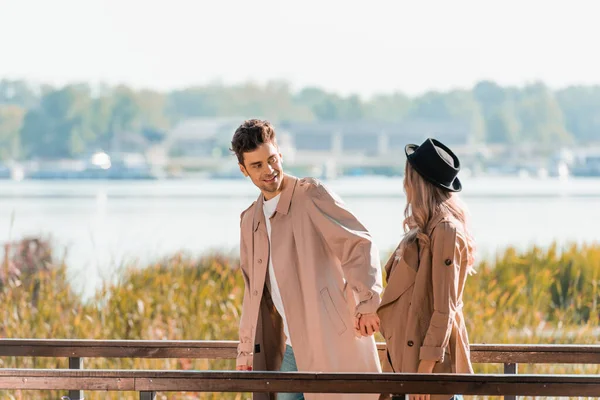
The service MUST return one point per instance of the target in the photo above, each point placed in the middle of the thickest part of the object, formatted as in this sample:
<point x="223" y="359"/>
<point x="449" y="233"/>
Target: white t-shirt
<point x="269" y="207"/>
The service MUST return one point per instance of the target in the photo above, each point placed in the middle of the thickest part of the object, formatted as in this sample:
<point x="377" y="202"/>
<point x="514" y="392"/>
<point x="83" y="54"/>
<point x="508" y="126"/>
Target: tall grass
<point x="538" y="296"/>
<point x="541" y="296"/>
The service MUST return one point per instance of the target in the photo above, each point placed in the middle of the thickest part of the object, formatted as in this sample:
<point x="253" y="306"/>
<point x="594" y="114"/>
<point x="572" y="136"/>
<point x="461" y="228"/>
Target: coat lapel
<point x="285" y="200"/>
<point x="261" y="249"/>
<point x="261" y="237"/>
<point x="402" y="275"/>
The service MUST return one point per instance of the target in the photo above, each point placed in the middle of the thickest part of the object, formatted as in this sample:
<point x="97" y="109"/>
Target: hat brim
<point x="456" y="185"/>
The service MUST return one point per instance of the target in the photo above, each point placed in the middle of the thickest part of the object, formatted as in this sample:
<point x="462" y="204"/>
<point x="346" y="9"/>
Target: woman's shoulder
<point x="448" y="228"/>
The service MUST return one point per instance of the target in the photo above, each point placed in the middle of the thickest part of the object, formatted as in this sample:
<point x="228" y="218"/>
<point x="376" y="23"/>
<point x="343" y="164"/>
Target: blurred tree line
<point x="50" y="122"/>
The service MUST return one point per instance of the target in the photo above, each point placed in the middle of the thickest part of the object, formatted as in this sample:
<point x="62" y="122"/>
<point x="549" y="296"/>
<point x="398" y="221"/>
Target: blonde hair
<point x="424" y="201"/>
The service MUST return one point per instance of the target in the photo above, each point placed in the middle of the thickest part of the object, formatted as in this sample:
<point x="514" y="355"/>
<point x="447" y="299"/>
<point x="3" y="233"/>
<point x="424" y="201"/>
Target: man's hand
<point x="243" y="368"/>
<point x="367" y="324"/>
<point x="425" y="367"/>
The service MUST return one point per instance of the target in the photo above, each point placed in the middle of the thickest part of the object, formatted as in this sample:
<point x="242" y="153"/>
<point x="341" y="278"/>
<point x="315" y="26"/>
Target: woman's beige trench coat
<point x="421" y="307"/>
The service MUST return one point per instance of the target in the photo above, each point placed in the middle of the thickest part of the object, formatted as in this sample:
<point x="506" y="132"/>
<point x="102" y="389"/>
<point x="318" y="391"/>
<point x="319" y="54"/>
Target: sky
<point x="364" y="47"/>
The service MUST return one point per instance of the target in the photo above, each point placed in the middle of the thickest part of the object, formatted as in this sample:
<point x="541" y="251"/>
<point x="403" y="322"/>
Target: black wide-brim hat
<point x="436" y="163"/>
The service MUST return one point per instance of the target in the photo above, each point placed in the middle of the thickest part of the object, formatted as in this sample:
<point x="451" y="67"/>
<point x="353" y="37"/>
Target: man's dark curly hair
<point x="251" y="134"/>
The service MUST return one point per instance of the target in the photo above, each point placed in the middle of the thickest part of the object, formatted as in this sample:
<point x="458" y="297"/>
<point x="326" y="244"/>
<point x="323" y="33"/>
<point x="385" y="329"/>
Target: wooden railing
<point x="147" y="382"/>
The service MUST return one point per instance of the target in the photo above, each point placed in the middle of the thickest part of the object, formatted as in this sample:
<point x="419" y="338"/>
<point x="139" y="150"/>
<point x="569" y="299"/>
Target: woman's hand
<point x="425" y="367"/>
<point x="367" y="324"/>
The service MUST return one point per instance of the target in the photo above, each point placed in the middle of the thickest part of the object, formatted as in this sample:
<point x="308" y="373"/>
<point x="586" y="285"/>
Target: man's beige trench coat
<point x="421" y="308"/>
<point x="328" y="270"/>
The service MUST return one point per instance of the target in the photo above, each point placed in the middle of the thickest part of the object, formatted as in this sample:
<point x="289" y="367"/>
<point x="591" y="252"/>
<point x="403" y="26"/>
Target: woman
<point x="421" y="308"/>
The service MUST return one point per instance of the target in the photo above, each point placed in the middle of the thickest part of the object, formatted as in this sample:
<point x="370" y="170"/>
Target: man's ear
<point x="243" y="170"/>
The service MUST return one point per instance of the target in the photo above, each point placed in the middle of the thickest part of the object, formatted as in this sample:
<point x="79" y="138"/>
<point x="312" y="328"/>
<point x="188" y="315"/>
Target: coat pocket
<point x="332" y="313"/>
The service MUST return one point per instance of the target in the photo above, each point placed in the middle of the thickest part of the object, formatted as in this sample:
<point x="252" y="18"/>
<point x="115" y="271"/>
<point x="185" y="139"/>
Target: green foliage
<point x="179" y="298"/>
<point x="11" y="122"/>
<point x="75" y="119"/>
<point x="61" y="125"/>
<point x="581" y="108"/>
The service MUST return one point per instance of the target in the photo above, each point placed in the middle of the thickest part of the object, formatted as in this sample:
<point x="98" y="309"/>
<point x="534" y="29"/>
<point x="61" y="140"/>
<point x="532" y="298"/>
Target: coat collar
<point x="289" y="184"/>
<point x="411" y="253"/>
<point x="285" y="200"/>
<point x="408" y="265"/>
<point x="435" y="220"/>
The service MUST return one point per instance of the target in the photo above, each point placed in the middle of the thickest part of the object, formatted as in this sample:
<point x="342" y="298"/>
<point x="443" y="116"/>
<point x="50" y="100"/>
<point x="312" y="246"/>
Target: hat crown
<point x="435" y="162"/>
<point x="445" y="156"/>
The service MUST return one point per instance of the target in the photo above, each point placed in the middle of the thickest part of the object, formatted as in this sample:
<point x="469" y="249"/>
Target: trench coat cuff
<point x="245" y="359"/>
<point x="245" y="347"/>
<point x="431" y="353"/>
<point x="368" y="305"/>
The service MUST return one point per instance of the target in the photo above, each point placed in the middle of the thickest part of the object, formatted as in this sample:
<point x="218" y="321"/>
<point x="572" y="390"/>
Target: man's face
<point x="263" y="166"/>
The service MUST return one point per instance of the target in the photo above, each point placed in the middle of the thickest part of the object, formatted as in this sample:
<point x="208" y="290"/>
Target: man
<point x="312" y="274"/>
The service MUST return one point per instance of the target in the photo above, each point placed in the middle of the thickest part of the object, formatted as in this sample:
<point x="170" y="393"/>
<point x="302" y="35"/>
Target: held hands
<point x="366" y="324"/>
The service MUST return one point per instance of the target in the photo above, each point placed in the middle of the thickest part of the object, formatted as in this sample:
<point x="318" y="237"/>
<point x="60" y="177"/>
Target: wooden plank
<point x="376" y="383"/>
<point x="373" y="383"/>
<point x="371" y="386"/>
<point x="568" y="348"/>
<point x="535" y="357"/>
<point x="120" y="352"/>
<point x="118" y="348"/>
<point x="226" y="381"/>
<point x="65" y="379"/>
<point x="232" y="344"/>
<point x="67" y="383"/>
<point x="119" y="343"/>
<point x="73" y="373"/>
<point x="535" y="354"/>
<point x="300" y="376"/>
<point x="480" y="353"/>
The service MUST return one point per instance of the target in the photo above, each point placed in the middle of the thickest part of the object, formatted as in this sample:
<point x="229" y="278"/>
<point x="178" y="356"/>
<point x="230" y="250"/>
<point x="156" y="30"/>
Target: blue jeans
<point x="289" y="365"/>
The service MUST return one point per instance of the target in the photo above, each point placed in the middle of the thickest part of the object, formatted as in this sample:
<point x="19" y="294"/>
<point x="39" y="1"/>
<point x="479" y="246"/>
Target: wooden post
<point x="75" y="363"/>
<point x="510" y="369"/>
<point x="147" y="395"/>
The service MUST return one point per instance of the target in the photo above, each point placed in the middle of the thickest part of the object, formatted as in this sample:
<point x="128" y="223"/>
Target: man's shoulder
<point x="309" y="187"/>
<point x="247" y="215"/>
<point x="313" y="189"/>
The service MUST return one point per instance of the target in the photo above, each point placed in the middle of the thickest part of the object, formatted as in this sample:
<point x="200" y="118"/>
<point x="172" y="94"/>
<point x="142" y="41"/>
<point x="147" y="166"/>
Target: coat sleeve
<point x="246" y="340"/>
<point x="445" y="266"/>
<point x="350" y="241"/>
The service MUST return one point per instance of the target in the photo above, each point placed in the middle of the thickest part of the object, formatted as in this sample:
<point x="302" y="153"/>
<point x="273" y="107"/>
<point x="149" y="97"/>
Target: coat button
<point x="448" y="261"/>
<point x="260" y="260"/>
<point x="410" y="343"/>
